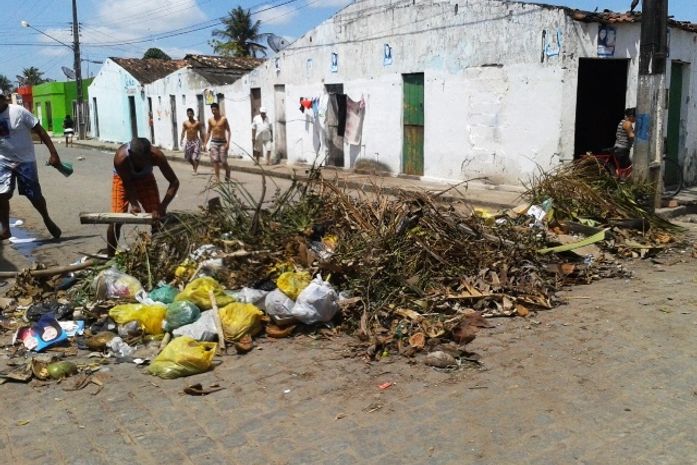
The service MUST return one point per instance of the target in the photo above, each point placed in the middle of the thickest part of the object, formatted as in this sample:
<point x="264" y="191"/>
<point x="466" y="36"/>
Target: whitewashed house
<point x="196" y="85"/>
<point x="118" y="108"/>
<point x="456" y="89"/>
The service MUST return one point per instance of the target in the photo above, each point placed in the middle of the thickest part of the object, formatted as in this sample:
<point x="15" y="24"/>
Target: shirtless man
<point x="219" y="136"/>
<point x="134" y="185"/>
<point x="194" y="134"/>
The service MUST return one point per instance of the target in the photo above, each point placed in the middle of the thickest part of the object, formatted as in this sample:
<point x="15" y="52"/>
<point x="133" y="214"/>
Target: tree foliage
<point x="156" y="53"/>
<point x="239" y="36"/>
<point x="5" y="84"/>
<point x="31" y="76"/>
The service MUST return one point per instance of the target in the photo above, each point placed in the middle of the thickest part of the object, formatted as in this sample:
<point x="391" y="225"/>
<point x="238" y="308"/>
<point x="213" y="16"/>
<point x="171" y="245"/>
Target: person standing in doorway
<point x="68" y="130"/>
<point x="262" y="134"/>
<point x="193" y="130"/>
<point x="18" y="163"/>
<point x="624" y="138"/>
<point x="219" y="136"/>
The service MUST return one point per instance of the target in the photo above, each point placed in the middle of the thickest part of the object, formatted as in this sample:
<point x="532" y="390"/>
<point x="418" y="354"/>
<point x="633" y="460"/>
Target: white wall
<point x="112" y="87"/>
<point x="499" y="102"/>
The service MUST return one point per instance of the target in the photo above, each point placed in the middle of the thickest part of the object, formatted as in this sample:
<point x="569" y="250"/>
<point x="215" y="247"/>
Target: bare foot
<point x="53" y="229"/>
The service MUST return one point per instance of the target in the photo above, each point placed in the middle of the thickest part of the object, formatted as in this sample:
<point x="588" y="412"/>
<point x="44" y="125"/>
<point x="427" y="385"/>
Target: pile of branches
<point x="407" y="262"/>
<point x="585" y="190"/>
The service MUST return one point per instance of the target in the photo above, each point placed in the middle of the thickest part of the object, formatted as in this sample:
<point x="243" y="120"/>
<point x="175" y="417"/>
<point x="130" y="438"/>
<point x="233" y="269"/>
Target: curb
<point x="670" y="213"/>
<point x="368" y="187"/>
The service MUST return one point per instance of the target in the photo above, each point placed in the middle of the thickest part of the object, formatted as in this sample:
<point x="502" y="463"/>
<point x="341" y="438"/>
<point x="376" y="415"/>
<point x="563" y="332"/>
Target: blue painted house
<point x="118" y="106"/>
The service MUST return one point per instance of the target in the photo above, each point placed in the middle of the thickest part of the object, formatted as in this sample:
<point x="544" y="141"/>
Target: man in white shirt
<point x="18" y="163"/>
<point x="262" y="134"/>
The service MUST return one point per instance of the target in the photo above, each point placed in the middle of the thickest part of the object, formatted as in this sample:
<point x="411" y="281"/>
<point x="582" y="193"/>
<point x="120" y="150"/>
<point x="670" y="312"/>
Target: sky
<point x="126" y="28"/>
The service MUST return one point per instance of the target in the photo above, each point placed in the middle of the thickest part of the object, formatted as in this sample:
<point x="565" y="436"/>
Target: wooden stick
<point x="116" y="218"/>
<point x="49" y="271"/>
<point x="218" y="323"/>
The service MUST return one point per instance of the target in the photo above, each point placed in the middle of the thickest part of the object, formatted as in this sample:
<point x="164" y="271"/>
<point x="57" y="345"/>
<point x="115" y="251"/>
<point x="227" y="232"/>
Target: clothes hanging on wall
<point x="355" y="111"/>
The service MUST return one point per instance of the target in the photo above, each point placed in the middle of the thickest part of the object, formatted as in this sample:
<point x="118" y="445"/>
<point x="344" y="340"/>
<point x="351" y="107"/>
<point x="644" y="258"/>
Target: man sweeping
<point x="133" y="183"/>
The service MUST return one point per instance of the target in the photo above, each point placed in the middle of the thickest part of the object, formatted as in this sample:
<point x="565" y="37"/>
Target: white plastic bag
<point x="278" y="306"/>
<point x="202" y="329"/>
<point x="247" y="295"/>
<point x="114" y="284"/>
<point x="317" y="303"/>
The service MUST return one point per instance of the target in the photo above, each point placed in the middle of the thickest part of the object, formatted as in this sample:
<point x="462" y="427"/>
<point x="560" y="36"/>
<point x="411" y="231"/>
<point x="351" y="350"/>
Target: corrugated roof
<point x="147" y="70"/>
<point x="219" y="70"/>
<point x="613" y="17"/>
<point x="218" y="62"/>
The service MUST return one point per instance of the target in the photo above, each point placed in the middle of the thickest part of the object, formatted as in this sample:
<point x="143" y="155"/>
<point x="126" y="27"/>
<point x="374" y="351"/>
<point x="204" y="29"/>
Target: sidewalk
<point x="477" y="193"/>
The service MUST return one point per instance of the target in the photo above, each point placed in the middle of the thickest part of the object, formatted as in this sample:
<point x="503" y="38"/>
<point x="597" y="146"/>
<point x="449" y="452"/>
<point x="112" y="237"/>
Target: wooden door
<point x="674" y="112"/>
<point x="280" y="123"/>
<point x="334" y="141"/>
<point x="413" y="145"/>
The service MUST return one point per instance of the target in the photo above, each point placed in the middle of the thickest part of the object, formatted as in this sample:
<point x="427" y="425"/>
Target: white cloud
<point x="180" y="52"/>
<point x="276" y="15"/>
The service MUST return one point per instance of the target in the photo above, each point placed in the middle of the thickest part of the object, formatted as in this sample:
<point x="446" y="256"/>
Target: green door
<point x="413" y="147"/>
<point x="674" y="110"/>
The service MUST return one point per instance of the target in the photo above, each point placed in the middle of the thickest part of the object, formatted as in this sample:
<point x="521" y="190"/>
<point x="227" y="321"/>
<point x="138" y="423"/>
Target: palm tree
<point x="239" y="36"/>
<point x="31" y="77"/>
<point x="5" y="84"/>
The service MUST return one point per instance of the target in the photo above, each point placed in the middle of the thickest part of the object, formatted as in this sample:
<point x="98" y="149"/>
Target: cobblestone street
<point x="606" y="379"/>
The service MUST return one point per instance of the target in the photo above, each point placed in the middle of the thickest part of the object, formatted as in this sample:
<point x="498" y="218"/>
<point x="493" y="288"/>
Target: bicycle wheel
<point x="672" y="178"/>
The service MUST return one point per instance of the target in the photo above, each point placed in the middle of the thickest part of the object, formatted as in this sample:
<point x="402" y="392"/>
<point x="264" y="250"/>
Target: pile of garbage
<point x="404" y="272"/>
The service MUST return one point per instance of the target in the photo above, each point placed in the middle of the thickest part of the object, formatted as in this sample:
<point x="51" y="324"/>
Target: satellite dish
<point x="276" y="43"/>
<point x="69" y="73"/>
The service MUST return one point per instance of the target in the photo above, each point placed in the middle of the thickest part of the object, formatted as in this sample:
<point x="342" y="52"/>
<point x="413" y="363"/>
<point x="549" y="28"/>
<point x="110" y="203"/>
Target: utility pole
<point x="651" y="96"/>
<point x="78" y="74"/>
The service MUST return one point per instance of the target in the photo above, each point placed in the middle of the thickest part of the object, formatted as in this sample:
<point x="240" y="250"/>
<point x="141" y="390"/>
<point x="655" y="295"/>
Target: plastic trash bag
<point x="202" y="329"/>
<point x="240" y="320"/>
<point x="197" y="292"/>
<point x="247" y="295"/>
<point x="150" y="316"/>
<point x="317" y="303"/>
<point x="165" y="294"/>
<point x="183" y="356"/>
<point x="181" y="313"/>
<point x="292" y="283"/>
<point x="113" y="284"/>
<point x="278" y="307"/>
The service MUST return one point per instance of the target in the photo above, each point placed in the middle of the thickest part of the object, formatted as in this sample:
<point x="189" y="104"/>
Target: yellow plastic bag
<point x="197" y="292"/>
<point x="150" y="316"/>
<point x="292" y="283"/>
<point x="184" y="356"/>
<point x="239" y="320"/>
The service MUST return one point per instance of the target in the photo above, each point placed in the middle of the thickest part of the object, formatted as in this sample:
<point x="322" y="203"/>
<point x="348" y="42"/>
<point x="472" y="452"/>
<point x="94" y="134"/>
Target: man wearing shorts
<point x="193" y="130"/>
<point x="134" y="185"/>
<point x="18" y="163"/>
<point x="219" y="137"/>
<point x="262" y="135"/>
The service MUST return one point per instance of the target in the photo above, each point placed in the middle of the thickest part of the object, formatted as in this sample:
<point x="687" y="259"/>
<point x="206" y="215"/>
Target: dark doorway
<point x="199" y="104"/>
<point x="413" y="113"/>
<point x="600" y="103"/>
<point x="280" y="115"/>
<point x="255" y="99"/>
<point x="175" y="127"/>
<point x="96" y="117"/>
<point x="134" y="118"/>
<point x="336" y="125"/>
<point x="221" y="103"/>
<point x="49" y="116"/>
<point x="151" y="121"/>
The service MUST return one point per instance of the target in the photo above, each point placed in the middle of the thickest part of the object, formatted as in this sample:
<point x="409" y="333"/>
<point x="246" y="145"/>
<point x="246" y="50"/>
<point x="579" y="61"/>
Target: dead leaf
<point x="417" y="340"/>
